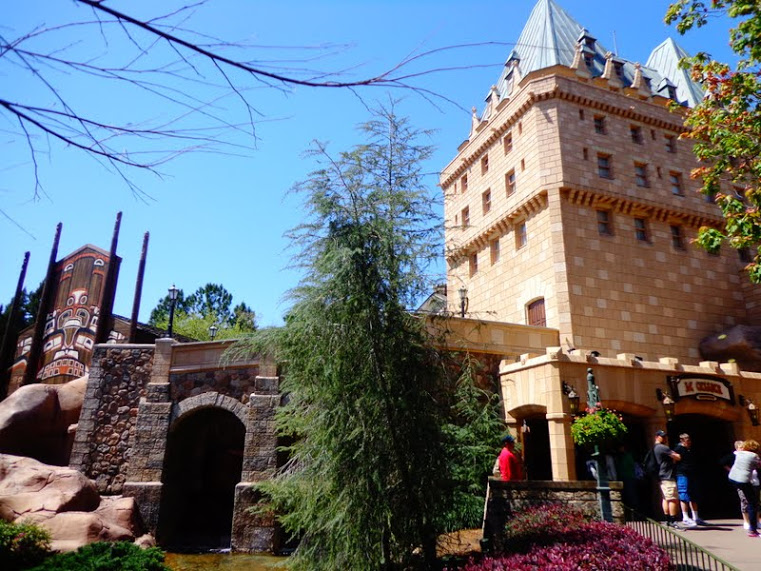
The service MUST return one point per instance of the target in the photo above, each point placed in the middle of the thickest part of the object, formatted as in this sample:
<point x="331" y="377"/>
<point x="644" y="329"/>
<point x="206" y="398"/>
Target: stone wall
<point x="105" y="433"/>
<point x="505" y="498"/>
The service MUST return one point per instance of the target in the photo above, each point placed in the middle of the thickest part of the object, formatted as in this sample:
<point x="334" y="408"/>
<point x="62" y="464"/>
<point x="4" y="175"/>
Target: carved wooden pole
<point x="46" y="299"/>
<point x="138" y="289"/>
<point x="6" y="349"/>
<point x="105" y="321"/>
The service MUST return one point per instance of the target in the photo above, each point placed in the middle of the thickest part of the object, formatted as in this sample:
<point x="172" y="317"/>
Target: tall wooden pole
<point x="105" y="321"/>
<point x="6" y="349"/>
<point x="138" y="289"/>
<point x="35" y="351"/>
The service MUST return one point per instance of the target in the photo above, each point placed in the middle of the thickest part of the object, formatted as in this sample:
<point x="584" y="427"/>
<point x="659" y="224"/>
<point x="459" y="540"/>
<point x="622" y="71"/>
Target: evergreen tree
<point x="363" y="487"/>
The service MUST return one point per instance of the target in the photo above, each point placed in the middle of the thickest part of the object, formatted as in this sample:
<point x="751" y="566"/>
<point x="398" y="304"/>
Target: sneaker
<point x="672" y="524"/>
<point x="746" y="525"/>
<point x="689" y="524"/>
<point x="752" y="534"/>
<point x="703" y="522"/>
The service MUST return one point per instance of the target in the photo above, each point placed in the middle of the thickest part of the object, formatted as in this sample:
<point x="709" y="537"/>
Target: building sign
<point x="701" y="387"/>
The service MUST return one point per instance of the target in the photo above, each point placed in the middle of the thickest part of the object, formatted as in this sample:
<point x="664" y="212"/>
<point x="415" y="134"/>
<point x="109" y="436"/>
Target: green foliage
<point x="22" y="545"/>
<point x="30" y="303"/>
<point x="598" y="427"/>
<point x="726" y="125"/>
<point x="472" y="443"/>
<point x="363" y="485"/>
<point x="208" y="305"/>
<point x="105" y="556"/>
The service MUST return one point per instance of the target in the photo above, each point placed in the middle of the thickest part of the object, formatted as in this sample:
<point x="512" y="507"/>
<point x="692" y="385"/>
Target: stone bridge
<point x="186" y="435"/>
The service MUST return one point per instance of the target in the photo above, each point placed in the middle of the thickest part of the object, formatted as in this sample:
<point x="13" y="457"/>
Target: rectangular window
<point x="465" y="217"/>
<point x="581" y="114"/>
<point x="640" y="174"/>
<point x="464" y="183"/>
<point x="508" y="142"/>
<point x="536" y="314"/>
<point x="510" y="182"/>
<point x="600" y="125"/>
<point x="675" y="179"/>
<point x="486" y="201"/>
<point x="670" y="144"/>
<point x="640" y="229"/>
<point x="485" y="164"/>
<point x="494" y="250"/>
<point x="473" y="263"/>
<point x="604" y="225"/>
<point x="677" y="237"/>
<point x="636" y="133"/>
<point x="521" y="236"/>
<point x="604" y="168"/>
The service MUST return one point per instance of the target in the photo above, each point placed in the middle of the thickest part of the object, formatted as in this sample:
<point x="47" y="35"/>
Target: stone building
<point x="570" y="207"/>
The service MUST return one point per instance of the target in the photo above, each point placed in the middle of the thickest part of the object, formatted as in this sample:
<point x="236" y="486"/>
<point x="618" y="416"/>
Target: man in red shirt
<point x="509" y="465"/>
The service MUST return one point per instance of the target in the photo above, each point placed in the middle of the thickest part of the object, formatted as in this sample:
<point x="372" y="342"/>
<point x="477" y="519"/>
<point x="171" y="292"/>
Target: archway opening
<point x="536" y="453"/>
<point x="203" y="463"/>
<point x="712" y="439"/>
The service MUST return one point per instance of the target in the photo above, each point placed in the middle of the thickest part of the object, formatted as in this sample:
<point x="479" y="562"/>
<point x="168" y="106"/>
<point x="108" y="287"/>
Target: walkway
<point x="727" y="539"/>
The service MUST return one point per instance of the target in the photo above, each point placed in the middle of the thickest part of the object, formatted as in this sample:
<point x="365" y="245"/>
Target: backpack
<point x="650" y="464"/>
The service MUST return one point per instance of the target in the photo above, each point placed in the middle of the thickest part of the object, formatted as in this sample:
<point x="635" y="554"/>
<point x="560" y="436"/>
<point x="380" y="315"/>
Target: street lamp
<point x="603" y="485"/>
<point x="463" y="291"/>
<point x="173" y="292"/>
<point x="213" y="331"/>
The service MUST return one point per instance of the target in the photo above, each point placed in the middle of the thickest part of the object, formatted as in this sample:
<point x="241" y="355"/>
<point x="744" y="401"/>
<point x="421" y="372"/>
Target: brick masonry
<point x="136" y="394"/>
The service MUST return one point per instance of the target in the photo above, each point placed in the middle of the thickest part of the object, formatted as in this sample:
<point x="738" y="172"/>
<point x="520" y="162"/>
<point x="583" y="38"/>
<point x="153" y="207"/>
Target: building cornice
<point x="564" y="88"/>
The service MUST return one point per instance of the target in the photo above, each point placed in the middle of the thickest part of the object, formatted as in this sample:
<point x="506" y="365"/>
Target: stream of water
<point x="223" y="562"/>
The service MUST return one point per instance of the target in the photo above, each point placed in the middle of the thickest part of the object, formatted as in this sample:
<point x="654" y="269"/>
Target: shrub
<point x="562" y="538"/>
<point x="22" y="545"/>
<point x="104" y="556"/>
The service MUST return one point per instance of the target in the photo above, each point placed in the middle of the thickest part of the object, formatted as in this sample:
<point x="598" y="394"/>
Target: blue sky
<point x="221" y="217"/>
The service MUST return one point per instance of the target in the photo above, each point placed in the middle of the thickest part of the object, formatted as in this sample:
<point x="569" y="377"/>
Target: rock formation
<point x="740" y="344"/>
<point x="35" y="421"/>
<point x="66" y="503"/>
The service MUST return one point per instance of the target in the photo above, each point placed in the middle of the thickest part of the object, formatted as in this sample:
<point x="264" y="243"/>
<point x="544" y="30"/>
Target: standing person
<point x="509" y="464"/>
<point x="666" y="458"/>
<point x="747" y="460"/>
<point x="686" y="482"/>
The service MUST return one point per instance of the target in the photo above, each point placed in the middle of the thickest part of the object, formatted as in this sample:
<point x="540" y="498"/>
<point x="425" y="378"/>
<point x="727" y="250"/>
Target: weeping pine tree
<point x="362" y="487"/>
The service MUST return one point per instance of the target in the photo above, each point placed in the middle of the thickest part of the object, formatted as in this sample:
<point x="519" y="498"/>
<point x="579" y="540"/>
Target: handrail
<point x="684" y="554"/>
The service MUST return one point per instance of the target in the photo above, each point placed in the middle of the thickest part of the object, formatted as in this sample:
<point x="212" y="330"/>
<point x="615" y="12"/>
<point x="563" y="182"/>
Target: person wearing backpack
<point x="666" y="459"/>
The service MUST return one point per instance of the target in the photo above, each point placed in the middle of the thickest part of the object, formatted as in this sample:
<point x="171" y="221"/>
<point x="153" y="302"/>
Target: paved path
<point x="727" y="539"/>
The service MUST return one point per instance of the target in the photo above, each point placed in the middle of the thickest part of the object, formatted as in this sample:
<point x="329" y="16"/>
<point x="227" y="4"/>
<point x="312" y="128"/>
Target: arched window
<point x="536" y="315"/>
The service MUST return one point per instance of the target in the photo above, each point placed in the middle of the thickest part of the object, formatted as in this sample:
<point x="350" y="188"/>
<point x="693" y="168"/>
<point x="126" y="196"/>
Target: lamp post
<point x="213" y="331"/>
<point x="173" y="292"/>
<point x="603" y="486"/>
<point x="463" y="291"/>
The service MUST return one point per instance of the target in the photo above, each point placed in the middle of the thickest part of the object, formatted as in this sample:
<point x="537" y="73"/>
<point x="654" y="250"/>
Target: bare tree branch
<point x="161" y="58"/>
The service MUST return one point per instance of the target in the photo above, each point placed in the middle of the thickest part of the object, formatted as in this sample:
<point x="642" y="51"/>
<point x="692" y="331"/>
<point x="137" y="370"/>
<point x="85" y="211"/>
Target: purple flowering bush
<point x="557" y="538"/>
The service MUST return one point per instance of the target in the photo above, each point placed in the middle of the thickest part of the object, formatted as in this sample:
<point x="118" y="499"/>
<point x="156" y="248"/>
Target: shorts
<point x="668" y="490"/>
<point x="683" y="487"/>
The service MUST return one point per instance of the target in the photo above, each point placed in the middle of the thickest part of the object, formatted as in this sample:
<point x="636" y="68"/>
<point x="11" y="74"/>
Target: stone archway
<point x="202" y="465"/>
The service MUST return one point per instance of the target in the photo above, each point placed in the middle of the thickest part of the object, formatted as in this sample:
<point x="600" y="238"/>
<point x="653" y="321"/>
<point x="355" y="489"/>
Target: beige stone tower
<point x="570" y="204"/>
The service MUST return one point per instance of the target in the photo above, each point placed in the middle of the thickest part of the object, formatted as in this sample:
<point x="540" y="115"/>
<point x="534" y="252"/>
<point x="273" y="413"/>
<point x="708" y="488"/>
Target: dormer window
<point x="618" y="67"/>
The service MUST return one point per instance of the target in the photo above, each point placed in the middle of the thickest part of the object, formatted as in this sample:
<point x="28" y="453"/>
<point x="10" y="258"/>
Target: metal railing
<point x="686" y="555"/>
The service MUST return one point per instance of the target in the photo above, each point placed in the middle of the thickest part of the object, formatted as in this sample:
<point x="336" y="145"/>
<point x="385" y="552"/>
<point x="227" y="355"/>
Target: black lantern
<point x="668" y="407"/>
<point x="463" y="291"/>
<point x="213" y="331"/>
<point x="173" y="292"/>
<point x="573" y="398"/>
<point x="752" y="412"/>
